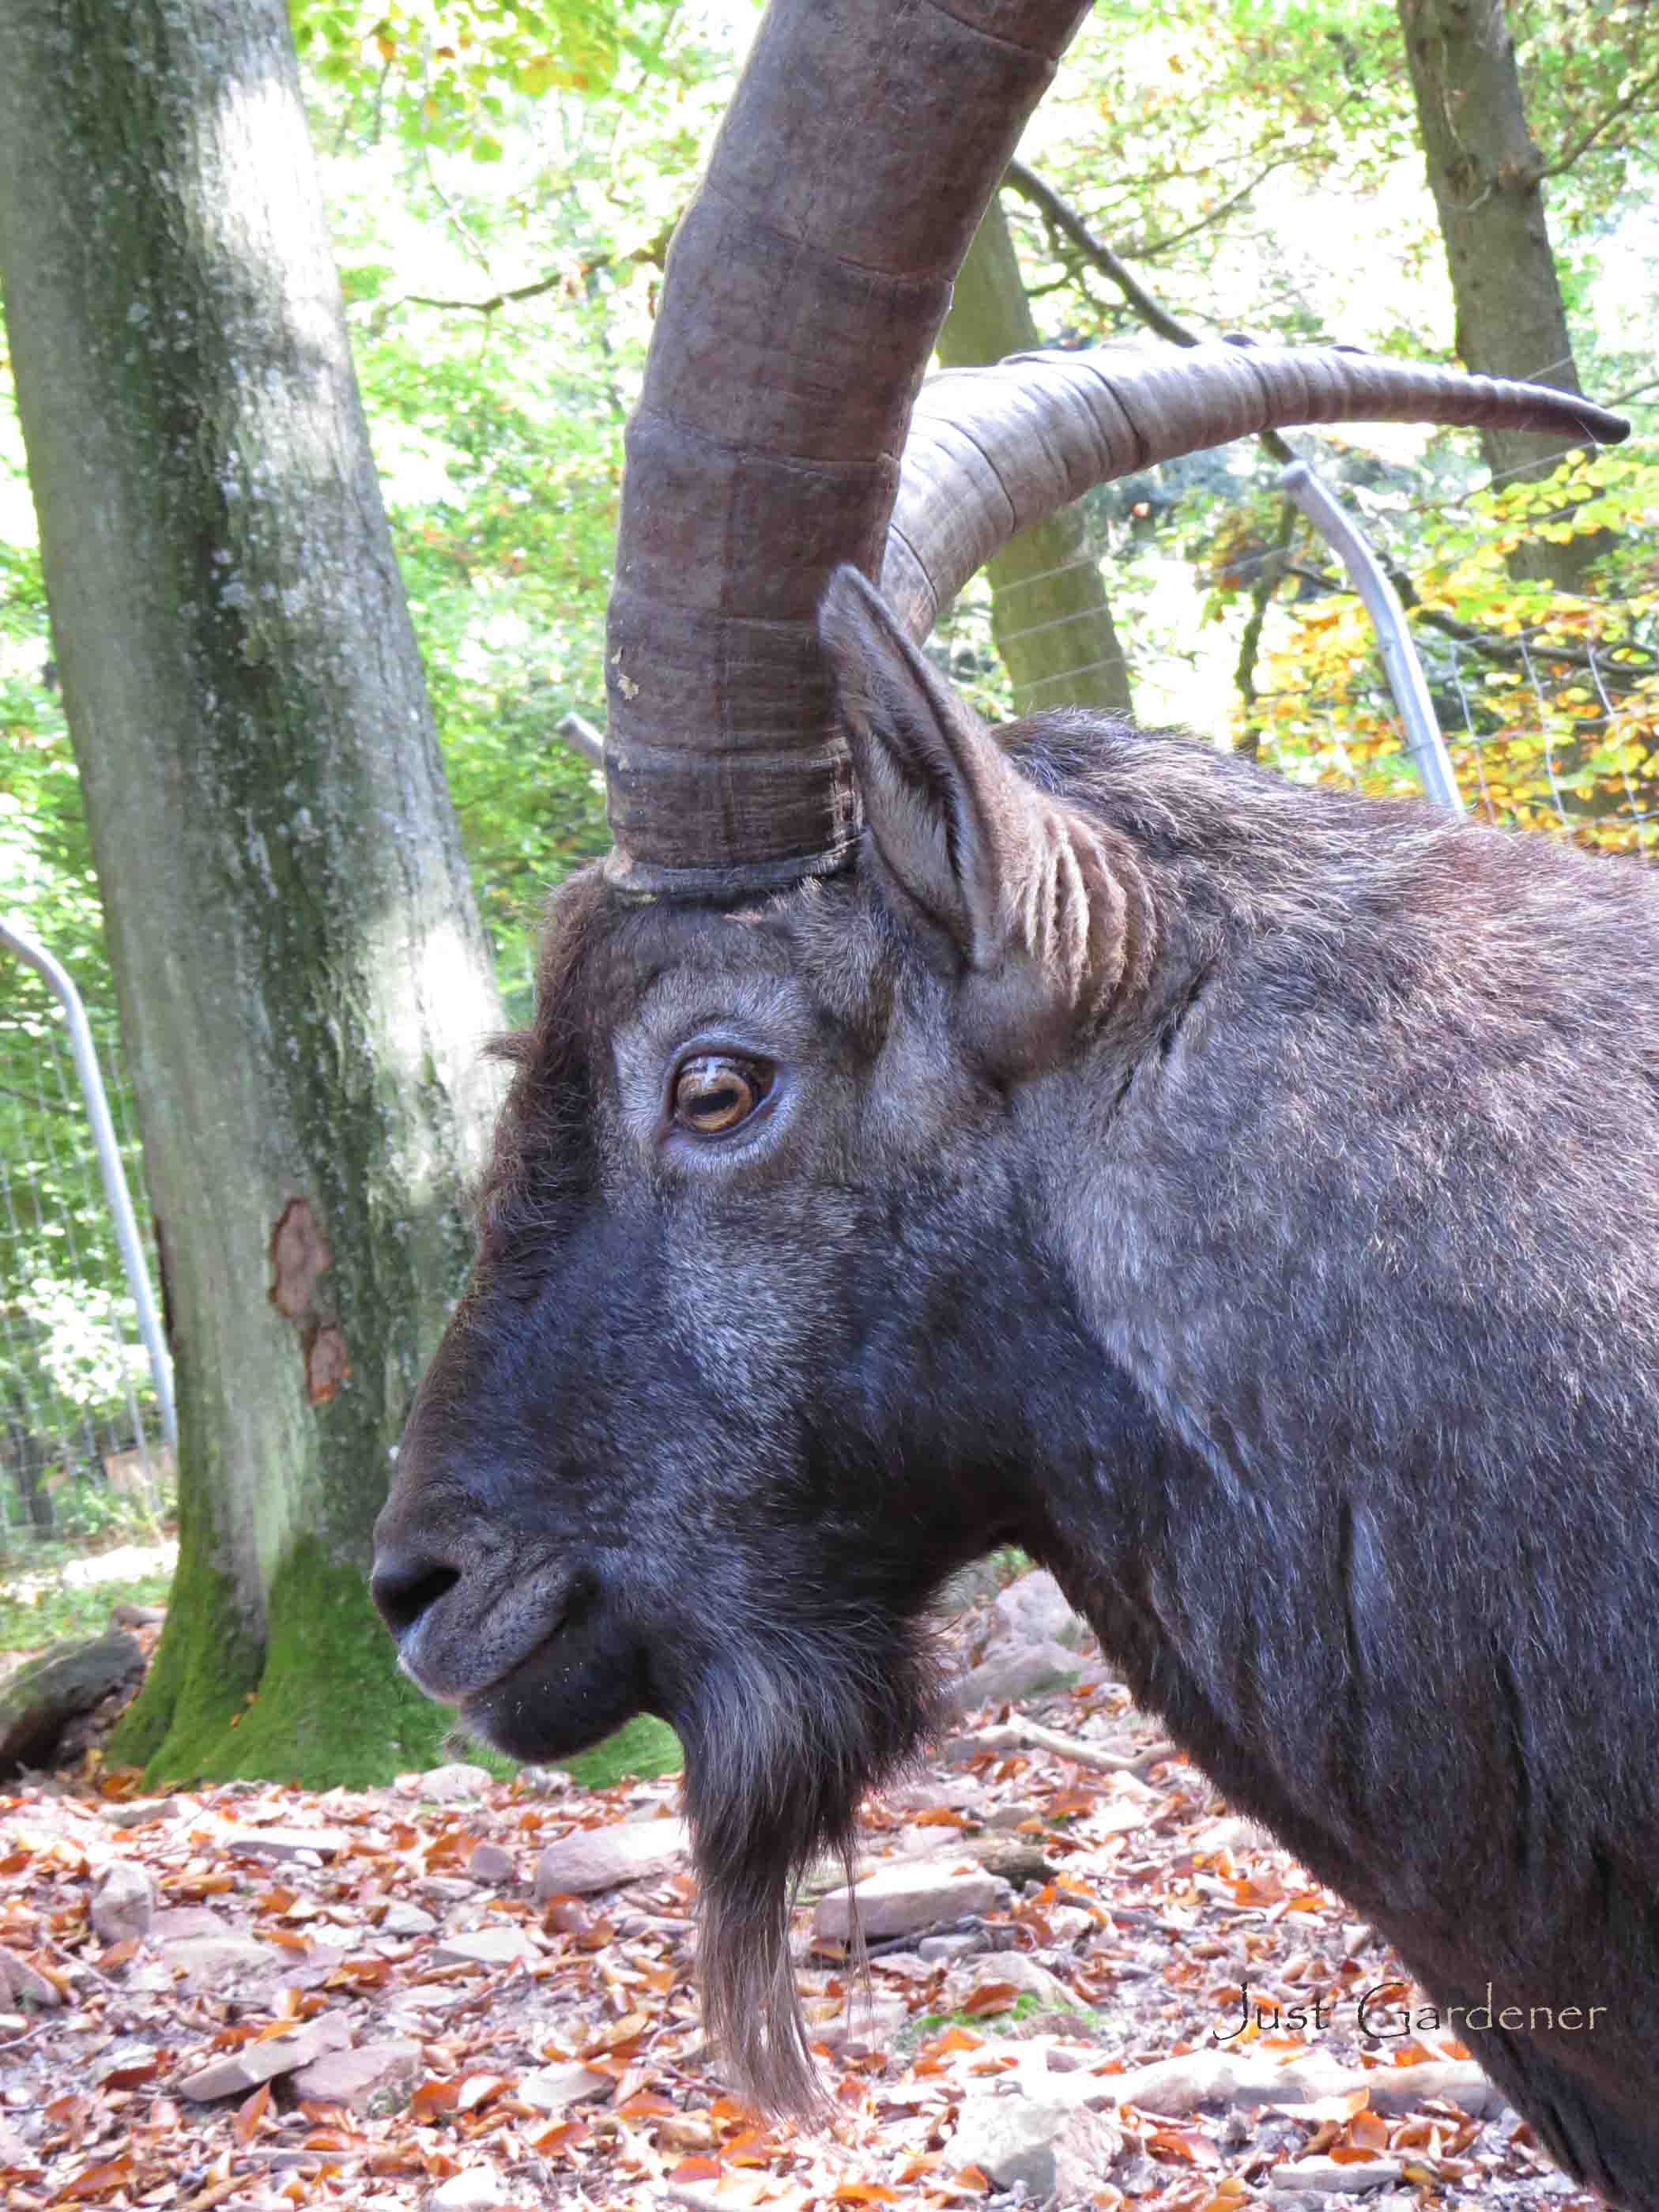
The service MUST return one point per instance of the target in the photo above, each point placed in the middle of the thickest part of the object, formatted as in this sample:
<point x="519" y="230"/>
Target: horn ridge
<point x="992" y="449"/>
<point x="804" y="290"/>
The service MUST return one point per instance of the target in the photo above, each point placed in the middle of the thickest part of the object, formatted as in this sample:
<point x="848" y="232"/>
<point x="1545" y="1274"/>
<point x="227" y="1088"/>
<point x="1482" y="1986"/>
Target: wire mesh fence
<point x="81" y="1430"/>
<point x="1543" y="733"/>
<point x="1550" y="716"/>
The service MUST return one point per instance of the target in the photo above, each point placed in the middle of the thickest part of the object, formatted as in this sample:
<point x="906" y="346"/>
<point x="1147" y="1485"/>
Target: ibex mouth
<point x="464" y="1635"/>
<point x="582" y="1677"/>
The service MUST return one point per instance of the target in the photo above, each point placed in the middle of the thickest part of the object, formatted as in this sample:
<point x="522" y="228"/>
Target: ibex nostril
<point x="405" y="1583"/>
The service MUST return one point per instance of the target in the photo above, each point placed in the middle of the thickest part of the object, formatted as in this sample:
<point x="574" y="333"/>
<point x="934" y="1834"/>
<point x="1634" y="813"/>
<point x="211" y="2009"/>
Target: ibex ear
<point x="1043" y="906"/>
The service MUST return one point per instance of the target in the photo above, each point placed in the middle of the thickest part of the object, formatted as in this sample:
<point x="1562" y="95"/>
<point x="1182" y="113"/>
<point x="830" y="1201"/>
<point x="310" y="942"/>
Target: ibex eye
<point x="714" y="1093"/>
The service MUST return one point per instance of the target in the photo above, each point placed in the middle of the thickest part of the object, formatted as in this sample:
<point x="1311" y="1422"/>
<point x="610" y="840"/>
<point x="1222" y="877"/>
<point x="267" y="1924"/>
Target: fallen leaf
<point x="249" y="2114"/>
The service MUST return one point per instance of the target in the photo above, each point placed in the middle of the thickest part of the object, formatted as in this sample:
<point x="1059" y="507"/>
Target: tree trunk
<point x="1049" y="614"/>
<point x="302" y="976"/>
<point x="1486" y="175"/>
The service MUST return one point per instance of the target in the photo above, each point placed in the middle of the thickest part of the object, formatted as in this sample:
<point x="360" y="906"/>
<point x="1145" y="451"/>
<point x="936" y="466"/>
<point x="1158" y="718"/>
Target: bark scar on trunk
<point x="299" y="1258"/>
<point x="326" y="1364"/>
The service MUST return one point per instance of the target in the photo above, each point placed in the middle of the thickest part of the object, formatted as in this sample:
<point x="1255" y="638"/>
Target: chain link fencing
<point x="83" y="1428"/>
<point x="1549" y="722"/>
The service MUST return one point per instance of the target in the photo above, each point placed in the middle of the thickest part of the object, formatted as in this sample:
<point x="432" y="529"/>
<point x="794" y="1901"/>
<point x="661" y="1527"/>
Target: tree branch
<point x="655" y="250"/>
<point x="1064" y="220"/>
<point x="1062" y="217"/>
<point x="1273" y="575"/>
<point x="495" y="299"/>
<point x="1288" y="160"/>
<point x="1581" y="145"/>
<point x="1619" y="675"/>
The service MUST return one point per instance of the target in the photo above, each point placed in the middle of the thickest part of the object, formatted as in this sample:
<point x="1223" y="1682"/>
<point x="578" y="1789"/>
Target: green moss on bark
<point x="329" y="1707"/>
<point x="325" y="1706"/>
<point x="205" y="1666"/>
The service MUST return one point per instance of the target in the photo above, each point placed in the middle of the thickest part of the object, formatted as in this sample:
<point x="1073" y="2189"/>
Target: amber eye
<point x="713" y="1093"/>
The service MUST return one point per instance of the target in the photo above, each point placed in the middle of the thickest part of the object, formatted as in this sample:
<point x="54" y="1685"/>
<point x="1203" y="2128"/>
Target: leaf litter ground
<point x="369" y="1999"/>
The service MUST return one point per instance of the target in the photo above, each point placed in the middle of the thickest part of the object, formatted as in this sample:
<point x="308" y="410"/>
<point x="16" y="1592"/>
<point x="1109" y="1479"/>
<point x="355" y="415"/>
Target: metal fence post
<point x="85" y="1053"/>
<point x="1424" y="742"/>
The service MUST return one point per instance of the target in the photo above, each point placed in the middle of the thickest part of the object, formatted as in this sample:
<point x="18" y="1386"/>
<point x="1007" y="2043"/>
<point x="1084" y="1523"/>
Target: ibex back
<point x="1242" y="1196"/>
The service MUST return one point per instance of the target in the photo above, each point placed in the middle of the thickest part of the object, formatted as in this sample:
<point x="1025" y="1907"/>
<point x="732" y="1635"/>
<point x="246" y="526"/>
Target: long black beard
<point x="787" y="1733"/>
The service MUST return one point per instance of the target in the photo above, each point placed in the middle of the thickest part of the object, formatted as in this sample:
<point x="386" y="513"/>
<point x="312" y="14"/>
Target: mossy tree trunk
<point x="304" y="983"/>
<point x="1487" y="178"/>
<point x="1049" y="613"/>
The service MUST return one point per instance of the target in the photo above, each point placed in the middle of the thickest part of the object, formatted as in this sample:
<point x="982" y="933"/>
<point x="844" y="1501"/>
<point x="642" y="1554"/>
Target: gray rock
<point x="1061" y="2059"/>
<point x="906" y="1898"/>
<point x="1006" y="1818"/>
<point x="1017" y="1859"/>
<point x="860" y="2027"/>
<point x="39" y="1700"/>
<point x="352" y="2078"/>
<point x="281" y="1843"/>
<point x="320" y="1961"/>
<point x="445" y="1785"/>
<point x="1011" y="2138"/>
<point x="122" y="1903"/>
<point x="486" y="1946"/>
<point x="1034" y="1610"/>
<point x="213" y="1962"/>
<point x="1012" y="1671"/>
<point x="138" y="1812"/>
<point x="980" y="1579"/>
<point x="474" y="2189"/>
<point x="401" y="1918"/>
<point x="23" y="1984"/>
<point x="1324" y="2177"/>
<point x="551" y="2088"/>
<point x="491" y="1862"/>
<point x="1085" y="2151"/>
<point x="174" y="1922"/>
<point x="603" y="1858"/>
<point x="952" y="1946"/>
<point x="545" y="1782"/>
<point x="235" y="2072"/>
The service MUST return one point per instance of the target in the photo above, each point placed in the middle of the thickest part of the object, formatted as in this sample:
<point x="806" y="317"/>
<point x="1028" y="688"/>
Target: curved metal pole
<point x="582" y="738"/>
<point x="109" y="1161"/>
<point x="1424" y="742"/>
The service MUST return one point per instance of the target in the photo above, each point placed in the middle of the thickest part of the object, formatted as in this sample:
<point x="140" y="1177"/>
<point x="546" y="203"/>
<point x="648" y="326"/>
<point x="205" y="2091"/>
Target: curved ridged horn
<point x="805" y="287"/>
<point x="991" y="450"/>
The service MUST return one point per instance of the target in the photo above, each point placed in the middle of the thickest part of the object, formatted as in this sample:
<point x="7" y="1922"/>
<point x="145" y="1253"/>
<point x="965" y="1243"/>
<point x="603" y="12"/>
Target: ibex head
<point x="929" y="1140"/>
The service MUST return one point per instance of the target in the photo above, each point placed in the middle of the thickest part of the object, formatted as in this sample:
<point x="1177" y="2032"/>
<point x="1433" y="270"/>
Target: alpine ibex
<point x="1242" y="1196"/>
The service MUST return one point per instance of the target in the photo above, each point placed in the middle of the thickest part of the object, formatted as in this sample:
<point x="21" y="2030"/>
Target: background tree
<point x="1049" y="614"/>
<point x="1487" y="178"/>
<point x="302" y="977"/>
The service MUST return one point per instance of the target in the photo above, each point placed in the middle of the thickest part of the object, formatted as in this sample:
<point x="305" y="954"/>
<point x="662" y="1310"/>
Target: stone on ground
<point x="603" y="1858"/>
